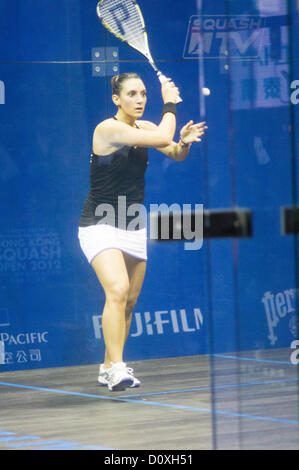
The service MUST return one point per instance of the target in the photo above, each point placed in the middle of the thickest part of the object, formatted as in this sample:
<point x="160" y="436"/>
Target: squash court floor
<point x="233" y="401"/>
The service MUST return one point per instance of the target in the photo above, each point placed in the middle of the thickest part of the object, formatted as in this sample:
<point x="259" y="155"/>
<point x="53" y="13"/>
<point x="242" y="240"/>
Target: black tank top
<point x="118" y="180"/>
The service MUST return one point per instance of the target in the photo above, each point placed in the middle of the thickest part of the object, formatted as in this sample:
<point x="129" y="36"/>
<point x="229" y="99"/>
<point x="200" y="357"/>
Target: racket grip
<point x="162" y="79"/>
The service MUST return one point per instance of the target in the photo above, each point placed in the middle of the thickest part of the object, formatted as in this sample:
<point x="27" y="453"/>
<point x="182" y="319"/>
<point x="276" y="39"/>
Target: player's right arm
<point x="113" y="133"/>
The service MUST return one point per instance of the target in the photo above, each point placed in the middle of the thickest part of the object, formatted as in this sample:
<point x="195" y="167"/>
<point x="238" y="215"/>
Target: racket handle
<point x="163" y="79"/>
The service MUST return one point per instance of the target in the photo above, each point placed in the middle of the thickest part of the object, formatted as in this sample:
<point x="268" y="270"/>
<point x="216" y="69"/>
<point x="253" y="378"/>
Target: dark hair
<point x="118" y="80"/>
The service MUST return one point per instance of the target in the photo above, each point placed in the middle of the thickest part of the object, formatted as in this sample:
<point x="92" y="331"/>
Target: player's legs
<point x="111" y="270"/>
<point x="136" y="271"/>
<point x="121" y="276"/>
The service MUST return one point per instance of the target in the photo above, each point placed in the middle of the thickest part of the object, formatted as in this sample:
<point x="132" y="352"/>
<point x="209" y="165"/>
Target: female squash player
<point x="116" y="250"/>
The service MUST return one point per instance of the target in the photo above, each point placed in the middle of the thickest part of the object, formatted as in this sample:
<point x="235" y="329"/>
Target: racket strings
<point x="123" y="18"/>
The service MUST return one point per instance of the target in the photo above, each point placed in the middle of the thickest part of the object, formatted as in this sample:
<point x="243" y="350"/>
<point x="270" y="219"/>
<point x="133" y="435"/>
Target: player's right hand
<point x="170" y="92"/>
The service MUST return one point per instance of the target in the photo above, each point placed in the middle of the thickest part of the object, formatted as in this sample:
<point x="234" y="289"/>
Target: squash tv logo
<point x="211" y="35"/>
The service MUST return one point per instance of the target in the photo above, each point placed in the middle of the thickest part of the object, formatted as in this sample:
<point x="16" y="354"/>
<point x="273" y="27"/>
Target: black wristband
<point x="169" y="108"/>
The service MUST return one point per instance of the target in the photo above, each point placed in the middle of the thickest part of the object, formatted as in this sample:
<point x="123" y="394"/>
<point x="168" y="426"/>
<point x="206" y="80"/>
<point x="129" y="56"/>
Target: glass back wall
<point x="248" y="58"/>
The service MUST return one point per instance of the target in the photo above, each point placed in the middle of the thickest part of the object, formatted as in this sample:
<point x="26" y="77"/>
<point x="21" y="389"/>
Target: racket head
<point x="124" y="19"/>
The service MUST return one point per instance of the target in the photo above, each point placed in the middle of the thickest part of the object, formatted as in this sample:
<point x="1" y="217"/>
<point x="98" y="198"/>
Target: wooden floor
<point x="247" y="401"/>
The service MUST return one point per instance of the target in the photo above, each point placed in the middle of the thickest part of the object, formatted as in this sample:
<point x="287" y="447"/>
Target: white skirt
<point x="96" y="238"/>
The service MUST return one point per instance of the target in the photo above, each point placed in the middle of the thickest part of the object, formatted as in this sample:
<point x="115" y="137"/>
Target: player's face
<point x="132" y="99"/>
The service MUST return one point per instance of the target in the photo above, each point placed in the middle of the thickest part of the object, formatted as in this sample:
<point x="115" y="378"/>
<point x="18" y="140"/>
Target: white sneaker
<point x="136" y="382"/>
<point x="119" y="377"/>
<point x="104" y="375"/>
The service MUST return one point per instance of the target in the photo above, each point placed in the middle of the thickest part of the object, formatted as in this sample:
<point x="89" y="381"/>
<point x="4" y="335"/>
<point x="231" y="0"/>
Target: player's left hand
<point x="193" y="132"/>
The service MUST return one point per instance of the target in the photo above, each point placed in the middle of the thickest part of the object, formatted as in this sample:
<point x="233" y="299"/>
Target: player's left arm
<point x="189" y="134"/>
